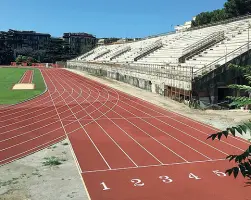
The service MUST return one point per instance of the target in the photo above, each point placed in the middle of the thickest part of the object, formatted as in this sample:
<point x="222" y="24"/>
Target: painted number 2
<point x="137" y="182"/>
<point x="104" y="186"/>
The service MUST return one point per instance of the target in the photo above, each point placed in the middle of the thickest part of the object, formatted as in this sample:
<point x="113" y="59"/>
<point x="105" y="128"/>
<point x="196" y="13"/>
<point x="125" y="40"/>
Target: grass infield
<point x="11" y="76"/>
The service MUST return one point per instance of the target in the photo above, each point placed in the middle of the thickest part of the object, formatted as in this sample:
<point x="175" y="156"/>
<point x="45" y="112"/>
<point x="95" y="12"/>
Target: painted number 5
<point x="166" y="179"/>
<point x="218" y="173"/>
<point x="137" y="182"/>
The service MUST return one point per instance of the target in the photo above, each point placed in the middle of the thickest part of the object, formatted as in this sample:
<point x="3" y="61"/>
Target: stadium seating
<point x="198" y="48"/>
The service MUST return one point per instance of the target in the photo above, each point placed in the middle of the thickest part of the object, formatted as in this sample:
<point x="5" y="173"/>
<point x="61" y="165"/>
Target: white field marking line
<point x="102" y="127"/>
<point x="177" y="130"/>
<point x="29" y="132"/>
<point x="29" y="100"/>
<point x="31" y="76"/>
<point x="149" y="134"/>
<point x="168" y="125"/>
<point x="38" y="110"/>
<point x="178" y="122"/>
<point x="32" y="123"/>
<point x="29" y="104"/>
<point x="161" y="131"/>
<point x="69" y="120"/>
<point x="36" y="128"/>
<point x="21" y="79"/>
<point x="29" y="150"/>
<point x="87" y="133"/>
<point x="165" y="109"/>
<point x="158" y="140"/>
<point x="96" y="109"/>
<point x="134" y="140"/>
<point x="34" y="138"/>
<point x="36" y="116"/>
<point x="182" y="116"/>
<point x="71" y="149"/>
<point x="148" y="166"/>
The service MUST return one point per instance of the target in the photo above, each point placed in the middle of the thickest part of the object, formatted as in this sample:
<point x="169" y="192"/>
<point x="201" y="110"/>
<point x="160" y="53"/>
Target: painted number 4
<point x="191" y="175"/>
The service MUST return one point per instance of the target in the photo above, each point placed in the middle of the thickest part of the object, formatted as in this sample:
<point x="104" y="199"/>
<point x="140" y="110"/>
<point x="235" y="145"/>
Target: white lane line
<point x="63" y="137"/>
<point x="173" y="119"/>
<point x="89" y="138"/>
<point x="149" y="135"/>
<point x="161" y="131"/>
<point x="177" y="114"/>
<point x="102" y="127"/>
<point x="148" y="166"/>
<point x="171" y="126"/>
<point x="70" y="146"/>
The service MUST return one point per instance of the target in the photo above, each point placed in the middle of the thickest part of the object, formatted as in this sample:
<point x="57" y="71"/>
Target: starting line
<point x="147" y="166"/>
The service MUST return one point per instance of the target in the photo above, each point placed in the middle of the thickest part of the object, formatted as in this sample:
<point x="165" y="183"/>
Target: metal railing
<point x="156" y="44"/>
<point x="86" y="54"/>
<point x="101" y="54"/>
<point x="158" y="70"/>
<point x="216" y="36"/>
<point x="222" y="60"/>
<point x="119" y="52"/>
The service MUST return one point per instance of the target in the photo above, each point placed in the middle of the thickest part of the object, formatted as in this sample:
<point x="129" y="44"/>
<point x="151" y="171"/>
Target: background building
<point x="80" y="43"/>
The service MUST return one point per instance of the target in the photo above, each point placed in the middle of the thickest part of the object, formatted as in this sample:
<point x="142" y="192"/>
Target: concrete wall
<point x="143" y="82"/>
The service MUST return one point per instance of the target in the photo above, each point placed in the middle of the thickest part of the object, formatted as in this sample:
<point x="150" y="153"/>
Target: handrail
<point x="161" y="70"/>
<point x="127" y="48"/>
<point x="214" y="63"/>
<point x="214" y="36"/>
<point x="86" y="54"/>
<point x="157" y="43"/>
<point x="102" y="53"/>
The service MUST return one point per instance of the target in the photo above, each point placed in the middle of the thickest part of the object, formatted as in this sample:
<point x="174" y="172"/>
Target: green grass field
<point x="11" y="76"/>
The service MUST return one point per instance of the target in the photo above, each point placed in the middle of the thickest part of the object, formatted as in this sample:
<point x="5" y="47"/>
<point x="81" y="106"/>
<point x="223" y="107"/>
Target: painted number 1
<point x="104" y="186"/>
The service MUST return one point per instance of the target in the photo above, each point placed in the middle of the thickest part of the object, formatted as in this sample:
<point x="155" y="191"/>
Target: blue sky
<point x="103" y="18"/>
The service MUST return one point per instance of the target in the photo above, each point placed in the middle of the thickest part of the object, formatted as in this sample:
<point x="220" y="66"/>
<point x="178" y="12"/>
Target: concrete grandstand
<point x="186" y="64"/>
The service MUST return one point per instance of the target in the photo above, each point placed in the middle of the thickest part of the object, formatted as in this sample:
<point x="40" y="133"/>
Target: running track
<point x="124" y="147"/>
<point x="27" y="77"/>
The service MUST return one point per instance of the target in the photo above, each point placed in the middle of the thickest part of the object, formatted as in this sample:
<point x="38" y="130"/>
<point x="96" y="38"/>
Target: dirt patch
<point x="30" y="179"/>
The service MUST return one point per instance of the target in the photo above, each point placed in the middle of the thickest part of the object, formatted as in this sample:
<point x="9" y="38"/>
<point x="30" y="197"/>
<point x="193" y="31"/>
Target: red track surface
<point x="125" y="148"/>
<point x="27" y="77"/>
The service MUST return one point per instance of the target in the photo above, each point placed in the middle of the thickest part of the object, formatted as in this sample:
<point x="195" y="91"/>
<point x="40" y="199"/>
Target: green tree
<point x="236" y="8"/>
<point x="243" y="160"/>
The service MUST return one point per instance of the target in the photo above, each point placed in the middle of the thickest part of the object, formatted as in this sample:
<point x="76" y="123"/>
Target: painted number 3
<point x="166" y="179"/>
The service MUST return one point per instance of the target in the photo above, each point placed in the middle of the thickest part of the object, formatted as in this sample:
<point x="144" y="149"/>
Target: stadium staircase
<point x="149" y="49"/>
<point x="102" y="53"/>
<point x="120" y="52"/>
<point x="201" y="45"/>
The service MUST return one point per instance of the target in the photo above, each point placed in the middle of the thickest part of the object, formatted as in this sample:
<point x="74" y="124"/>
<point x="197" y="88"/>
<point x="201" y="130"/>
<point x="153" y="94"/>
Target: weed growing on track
<point x="66" y="143"/>
<point x="52" y="161"/>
